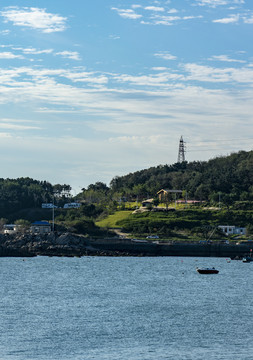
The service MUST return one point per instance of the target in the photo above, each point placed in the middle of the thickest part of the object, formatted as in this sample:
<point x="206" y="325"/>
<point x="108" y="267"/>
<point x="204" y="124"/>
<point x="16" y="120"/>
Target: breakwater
<point x="175" y="249"/>
<point x="69" y="244"/>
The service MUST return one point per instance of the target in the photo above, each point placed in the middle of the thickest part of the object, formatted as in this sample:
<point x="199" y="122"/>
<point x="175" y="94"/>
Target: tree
<point x="24" y="225"/>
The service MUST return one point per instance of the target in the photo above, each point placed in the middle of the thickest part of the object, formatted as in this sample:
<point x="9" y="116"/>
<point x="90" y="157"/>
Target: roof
<point x="41" y="223"/>
<point x="170" y="191"/>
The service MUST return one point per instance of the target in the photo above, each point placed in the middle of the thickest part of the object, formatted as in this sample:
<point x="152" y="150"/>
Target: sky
<point x="90" y="90"/>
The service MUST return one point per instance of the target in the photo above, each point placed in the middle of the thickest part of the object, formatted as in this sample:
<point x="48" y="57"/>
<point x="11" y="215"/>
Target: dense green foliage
<point x="21" y="200"/>
<point x="22" y="193"/>
<point x="191" y="222"/>
<point x="231" y="177"/>
<point x="227" y="181"/>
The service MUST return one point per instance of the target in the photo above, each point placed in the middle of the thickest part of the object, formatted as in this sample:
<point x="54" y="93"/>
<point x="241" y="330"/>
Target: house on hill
<point x="40" y="227"/>
<point x="163" y="194"/>
<point x="232" y="230"/>
<point x="11" y="228"/>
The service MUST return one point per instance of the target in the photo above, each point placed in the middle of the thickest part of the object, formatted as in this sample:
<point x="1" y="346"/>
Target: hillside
<point x="231" y="176"/>
<point x="224" y="181"/>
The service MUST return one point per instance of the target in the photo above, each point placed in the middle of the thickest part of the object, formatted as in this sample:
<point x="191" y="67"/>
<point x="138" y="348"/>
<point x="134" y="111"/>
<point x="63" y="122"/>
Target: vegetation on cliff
<point x="225" y="182"/>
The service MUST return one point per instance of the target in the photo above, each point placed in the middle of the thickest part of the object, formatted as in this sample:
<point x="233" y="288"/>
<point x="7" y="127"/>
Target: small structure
<point x="163" y="194"/>
<point x="189" y="201"/>
<point x="73" y="205"/>
<point x="181" y="151"/>
<point x="147" y="203"/>
<point x="232" y="230"/>
<point x="11" y="228"/>
<point x="48" y="206"/>
<point x="40" y="227"/>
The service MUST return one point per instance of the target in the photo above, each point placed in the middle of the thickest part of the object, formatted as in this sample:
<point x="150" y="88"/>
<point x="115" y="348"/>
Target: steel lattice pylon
<point x="181" y="151"/>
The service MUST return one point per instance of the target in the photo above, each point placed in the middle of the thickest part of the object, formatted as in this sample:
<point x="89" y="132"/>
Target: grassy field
<point x="111" y="220"/>
<point x="182" y="224"/>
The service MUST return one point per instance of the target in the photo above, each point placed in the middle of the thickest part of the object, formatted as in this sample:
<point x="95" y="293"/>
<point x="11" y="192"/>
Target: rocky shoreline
<point x="69" y="245"/>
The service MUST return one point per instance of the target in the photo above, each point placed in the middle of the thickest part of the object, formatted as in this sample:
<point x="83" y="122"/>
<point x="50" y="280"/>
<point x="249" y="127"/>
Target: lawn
<point x="111" y="220"/>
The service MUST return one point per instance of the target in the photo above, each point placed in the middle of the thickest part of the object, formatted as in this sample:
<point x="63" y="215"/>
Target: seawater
<point x="125" y="308"/>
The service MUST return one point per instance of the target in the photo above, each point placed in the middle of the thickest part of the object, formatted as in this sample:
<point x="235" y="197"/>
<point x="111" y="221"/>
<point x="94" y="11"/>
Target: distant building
<point x="232" y="230"/>
<point x="48" y="206"/>
<point x="11" y="228"/>
<point x="189" y="201"/>
<point x="40" y="227"/>
<point x="73" y="205"/>
<point x="163" y="194"/>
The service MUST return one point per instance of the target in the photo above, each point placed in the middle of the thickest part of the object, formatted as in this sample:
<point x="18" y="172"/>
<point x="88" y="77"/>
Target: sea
<point x="125" y="308"/>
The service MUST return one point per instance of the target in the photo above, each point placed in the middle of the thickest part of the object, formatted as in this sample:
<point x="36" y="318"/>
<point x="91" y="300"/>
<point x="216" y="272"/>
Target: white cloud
<point x="32" y="51"/>
<point x="126" y="105"/>
<point x="169" y="20"/>
<point x="34" y="18"/>
<point x="248" y="20"/>
<point x="10" y="126"/>
<point x="159" y="68"/>
<point x="5" y="32"/>
<point x="135" y="6"/>
<point x="172" y="11"/>
<point x="86" y="77"/>
<point x="225" y="58"/>
<point x="73" y="55"/>
<point x="158" y="80"/>
<point x="37" y="52"/>
<point x="114" y="37"/>
<point x="214" y="3"/>
<point x="154" y="8"/>
<point x="229" y="20"/>
<point x="165" y="55"/>
<point x="127" y="13"/>
<point x="154" y="15"/>
<point x="226" y="75"/>
<point x="10" y="55"/>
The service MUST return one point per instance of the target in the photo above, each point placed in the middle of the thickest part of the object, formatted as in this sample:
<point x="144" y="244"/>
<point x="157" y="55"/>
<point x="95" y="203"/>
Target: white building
<point x="11" y="228"/>
<point x="73" y="205"/>
<point x="48" y="206"/>
<point x="232" y="230"/>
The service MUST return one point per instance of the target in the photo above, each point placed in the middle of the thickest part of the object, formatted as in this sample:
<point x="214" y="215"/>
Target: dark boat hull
<point x="208" y="271"/>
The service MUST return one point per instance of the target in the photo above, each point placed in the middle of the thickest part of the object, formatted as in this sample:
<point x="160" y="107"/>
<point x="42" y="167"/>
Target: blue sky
<point x="94" y="89"/>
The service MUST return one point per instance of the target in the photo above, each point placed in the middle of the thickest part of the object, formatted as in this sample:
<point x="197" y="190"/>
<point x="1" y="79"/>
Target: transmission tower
<point x="181" y="151"/>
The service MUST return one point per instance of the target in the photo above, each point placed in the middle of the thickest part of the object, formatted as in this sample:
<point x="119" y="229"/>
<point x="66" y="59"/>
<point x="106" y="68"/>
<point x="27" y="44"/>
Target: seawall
<point x="176" y="249"/>
<point x="68" y="244"/>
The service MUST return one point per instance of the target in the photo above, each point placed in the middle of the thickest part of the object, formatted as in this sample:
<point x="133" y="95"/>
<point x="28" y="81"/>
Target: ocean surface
<point x="129" y="308"/>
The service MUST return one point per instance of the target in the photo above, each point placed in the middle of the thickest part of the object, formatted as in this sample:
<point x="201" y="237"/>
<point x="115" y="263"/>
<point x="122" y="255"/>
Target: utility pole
<point x="181" y="151"/>
<point x="53" y="212"/>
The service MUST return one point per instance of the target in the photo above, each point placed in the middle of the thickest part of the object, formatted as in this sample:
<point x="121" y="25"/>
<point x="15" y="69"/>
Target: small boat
<point x="247" y="259"/>
<point x="207" y="270"/>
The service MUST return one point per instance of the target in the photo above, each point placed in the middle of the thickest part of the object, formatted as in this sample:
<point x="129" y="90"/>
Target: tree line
<point x="23" y="193"/>
<point x="229" y="178"/>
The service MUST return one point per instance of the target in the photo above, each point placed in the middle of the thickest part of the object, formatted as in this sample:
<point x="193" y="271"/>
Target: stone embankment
<point x="68" y="244"/>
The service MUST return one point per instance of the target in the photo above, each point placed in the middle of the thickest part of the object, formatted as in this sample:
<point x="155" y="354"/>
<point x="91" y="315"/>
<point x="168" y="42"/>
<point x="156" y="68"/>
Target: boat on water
<point x="247" y="259"/>
<point x="207" y="270"/>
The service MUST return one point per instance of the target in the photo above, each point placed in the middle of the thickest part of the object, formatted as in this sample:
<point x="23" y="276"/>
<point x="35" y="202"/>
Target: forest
<point x="227" y="177"/>
<point x="224" y="180"/>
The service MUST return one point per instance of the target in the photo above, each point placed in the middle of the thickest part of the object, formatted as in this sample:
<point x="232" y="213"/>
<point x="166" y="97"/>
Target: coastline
<point x="69" y="245"/>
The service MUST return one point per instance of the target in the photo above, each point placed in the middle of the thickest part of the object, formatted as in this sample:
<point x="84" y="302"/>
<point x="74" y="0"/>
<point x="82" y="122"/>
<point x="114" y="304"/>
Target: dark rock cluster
<point x="55" y="244"/>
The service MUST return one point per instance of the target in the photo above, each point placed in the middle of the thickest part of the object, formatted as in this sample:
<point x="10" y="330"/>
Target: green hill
<point x="231" y="176"/>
